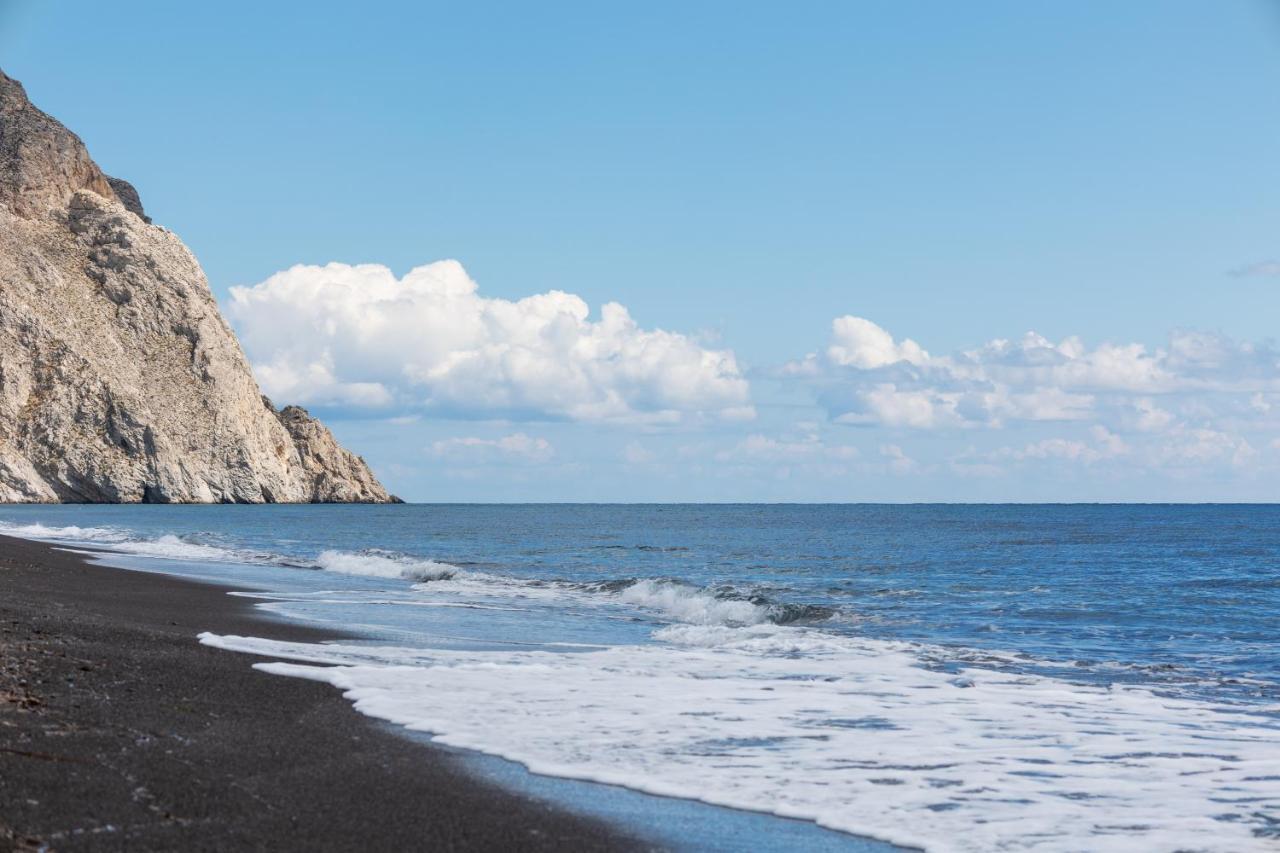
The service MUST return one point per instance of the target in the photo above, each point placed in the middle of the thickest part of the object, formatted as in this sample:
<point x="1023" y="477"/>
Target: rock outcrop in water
<point x="119" y="379"/>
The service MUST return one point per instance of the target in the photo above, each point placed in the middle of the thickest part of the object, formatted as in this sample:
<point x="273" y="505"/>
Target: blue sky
<point x="739" y="176"/>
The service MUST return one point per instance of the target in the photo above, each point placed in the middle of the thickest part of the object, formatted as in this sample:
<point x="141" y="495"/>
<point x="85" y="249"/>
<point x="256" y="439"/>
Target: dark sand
<point x="119" y="731"/>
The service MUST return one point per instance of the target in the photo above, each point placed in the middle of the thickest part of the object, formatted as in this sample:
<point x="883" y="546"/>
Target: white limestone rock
<point x="119" y="379"/>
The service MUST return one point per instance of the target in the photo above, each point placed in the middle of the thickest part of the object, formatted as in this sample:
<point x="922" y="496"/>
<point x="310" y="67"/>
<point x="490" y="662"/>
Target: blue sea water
<point x="955" y="677"/>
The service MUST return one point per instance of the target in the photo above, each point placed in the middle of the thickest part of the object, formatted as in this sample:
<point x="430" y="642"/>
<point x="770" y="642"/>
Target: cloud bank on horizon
<point x="429" y="344"/>
<point x="866" y="377"/>
<point x="1188" y="403"/>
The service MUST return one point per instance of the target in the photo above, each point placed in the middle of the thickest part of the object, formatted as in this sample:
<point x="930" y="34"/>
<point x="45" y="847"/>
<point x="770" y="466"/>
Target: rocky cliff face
<point x="119" y="379"/>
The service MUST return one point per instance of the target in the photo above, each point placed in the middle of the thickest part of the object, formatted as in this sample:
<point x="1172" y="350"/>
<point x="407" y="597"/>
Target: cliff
<point x="120" y="381"/>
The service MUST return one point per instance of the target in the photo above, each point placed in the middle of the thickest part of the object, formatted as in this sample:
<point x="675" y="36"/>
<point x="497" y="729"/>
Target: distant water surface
<point x="955" y="677"/>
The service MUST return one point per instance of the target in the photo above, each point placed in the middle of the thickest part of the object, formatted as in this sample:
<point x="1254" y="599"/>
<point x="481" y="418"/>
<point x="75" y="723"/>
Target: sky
<point x="872" y="251"/>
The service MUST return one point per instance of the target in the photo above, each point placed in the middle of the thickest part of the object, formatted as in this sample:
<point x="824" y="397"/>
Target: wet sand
<point x="119" y="731"/>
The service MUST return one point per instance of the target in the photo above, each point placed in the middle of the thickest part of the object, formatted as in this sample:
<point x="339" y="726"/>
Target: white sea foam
<point x="167" y="546"/>
<point x="690" y="604"/>
<point x="851" y="733"/>
<point x="105" y="535"/>
<point x="171" y="547"/>
<point x="668" y="600"/>
<point x="385" y="565"/>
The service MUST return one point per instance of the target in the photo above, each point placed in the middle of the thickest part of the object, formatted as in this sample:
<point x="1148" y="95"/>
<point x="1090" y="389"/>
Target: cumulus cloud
<point x="888" y="405"/>
<point x="868" y="377"/>
<point x="359" y="335"/>
<point x="861" y="343"/>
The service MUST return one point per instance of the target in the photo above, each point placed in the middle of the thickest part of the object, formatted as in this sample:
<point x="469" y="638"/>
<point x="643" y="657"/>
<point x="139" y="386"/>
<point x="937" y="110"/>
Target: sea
<point x="776" y="677"/>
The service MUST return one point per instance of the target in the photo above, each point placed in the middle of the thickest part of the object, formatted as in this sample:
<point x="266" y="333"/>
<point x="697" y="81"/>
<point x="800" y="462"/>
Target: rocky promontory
<point x="120" y="381"/>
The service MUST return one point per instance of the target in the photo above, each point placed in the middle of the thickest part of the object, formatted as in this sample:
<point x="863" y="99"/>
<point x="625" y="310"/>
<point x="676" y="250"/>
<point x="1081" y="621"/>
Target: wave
<point x="670" y="599"/>
<point x="849" y="732"/>
<point x="695" y="605"/>
<point x="167" y="546"/>
<point x="104" y="535"/>
<point x="692" y="604"/>
<point x="386" y="564"/>
<point x="172" y="547"/>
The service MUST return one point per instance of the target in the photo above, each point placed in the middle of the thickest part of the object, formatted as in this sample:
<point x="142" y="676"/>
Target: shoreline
<point x="472" y="683"/>
<point x="119" y="730"/>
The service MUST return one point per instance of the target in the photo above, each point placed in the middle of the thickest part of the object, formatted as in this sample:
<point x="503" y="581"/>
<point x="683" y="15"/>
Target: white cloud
<point x="888" y="405"/>
<point x="314" y="382"/>
<point x="1179" y="449"/>
<point x="508" y="447"/>
<point x="1105" y="445"/>
<point x="861" y="343"/>
<point x="1202" y="446"/>
<point x="1108" y="443"/>
<point x="1150" y="417"/>
<point x="1035" y="361"/>
<point x="1040" y="404"/>
<point x="358" y="335"/>
<point x="867" y="377"/>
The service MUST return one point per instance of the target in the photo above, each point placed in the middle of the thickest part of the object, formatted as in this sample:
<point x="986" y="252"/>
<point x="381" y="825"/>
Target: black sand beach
<point x="119" y="731"/>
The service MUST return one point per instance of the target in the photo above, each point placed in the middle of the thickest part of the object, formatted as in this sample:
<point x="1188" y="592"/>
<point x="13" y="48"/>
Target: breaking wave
<point x="670" y="599"/>
<point x="103" y="535"/>
<point x="385" y="564"/>
<point x="695" y="605"/>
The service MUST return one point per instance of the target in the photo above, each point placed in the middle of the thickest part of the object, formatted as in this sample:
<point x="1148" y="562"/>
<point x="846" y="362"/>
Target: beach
<point x="774" y="678"/>
<point x="118" y="730"/>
